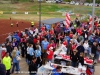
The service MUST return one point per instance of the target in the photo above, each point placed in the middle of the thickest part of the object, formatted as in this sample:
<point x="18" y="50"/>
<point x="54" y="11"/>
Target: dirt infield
<point x="5" y="27"/>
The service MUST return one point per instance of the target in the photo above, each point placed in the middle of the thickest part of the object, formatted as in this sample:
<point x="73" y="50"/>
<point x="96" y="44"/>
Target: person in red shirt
<point x="88" y="72"/>
<point x="50" y="54"/>
<point x="50" y="45"/>
<point x="71" y="35"/>
<point x="65" y="43"/>
<point x="43" y="28"/>
<point x="35" y="40"/>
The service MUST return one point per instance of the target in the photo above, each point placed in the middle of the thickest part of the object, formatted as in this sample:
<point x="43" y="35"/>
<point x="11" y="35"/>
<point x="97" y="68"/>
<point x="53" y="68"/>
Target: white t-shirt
<point x="27" y="50"/>
<point x="86" y="45"/>
<point x="4" y="49"/>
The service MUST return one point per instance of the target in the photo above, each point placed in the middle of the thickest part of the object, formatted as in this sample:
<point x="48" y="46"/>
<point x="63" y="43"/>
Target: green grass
<point x="47" y="9"/>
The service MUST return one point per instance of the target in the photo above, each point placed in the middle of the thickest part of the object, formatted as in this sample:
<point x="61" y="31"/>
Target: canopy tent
<point x="52" y="21"/>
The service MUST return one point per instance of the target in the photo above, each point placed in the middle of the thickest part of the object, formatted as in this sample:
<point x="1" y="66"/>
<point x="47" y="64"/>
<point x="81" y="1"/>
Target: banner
<point x="13" y="12"/>
<point x="1" y="12"/>
<point x="26" y="12"/>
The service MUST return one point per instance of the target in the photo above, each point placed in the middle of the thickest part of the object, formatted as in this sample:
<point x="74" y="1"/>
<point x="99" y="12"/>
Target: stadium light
<point x="93" y="13"/>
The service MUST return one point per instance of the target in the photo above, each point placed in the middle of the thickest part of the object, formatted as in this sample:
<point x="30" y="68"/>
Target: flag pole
<point x="93" y="10"/>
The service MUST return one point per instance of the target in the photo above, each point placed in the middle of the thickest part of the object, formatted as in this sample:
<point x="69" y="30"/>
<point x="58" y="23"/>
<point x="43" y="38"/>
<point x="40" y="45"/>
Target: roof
<point x="52" y="20"/>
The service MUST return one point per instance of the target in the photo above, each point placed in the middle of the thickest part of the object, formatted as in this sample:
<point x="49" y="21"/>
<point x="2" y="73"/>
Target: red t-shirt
<point x="65" y="43"/>
<point x="88" y="72"/>
<point x="74" y="46"/>
<point x="71" y="35"/>
<point x="35" y="40"/>
<point x="50" y="54"/>
<point x="50" y="45"/>
<point x="43" y="28"/>
<point x="51" y="32"/>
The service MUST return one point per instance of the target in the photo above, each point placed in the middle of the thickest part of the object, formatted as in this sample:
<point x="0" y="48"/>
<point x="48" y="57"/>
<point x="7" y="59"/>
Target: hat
<point x="50" y="48"/>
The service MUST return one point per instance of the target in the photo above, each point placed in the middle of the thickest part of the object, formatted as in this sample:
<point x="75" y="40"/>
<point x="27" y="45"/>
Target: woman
<point x="74" y="58"/>
<point x="38" y="55"/>
<point x="31" y="52"/>
<point x="15" y="54"/>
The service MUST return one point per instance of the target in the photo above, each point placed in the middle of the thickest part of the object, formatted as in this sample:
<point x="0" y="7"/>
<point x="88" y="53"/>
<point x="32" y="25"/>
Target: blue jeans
<point x="97" y="54"/>
<point x="74" y="64"/>
<point x="17" y="67"/>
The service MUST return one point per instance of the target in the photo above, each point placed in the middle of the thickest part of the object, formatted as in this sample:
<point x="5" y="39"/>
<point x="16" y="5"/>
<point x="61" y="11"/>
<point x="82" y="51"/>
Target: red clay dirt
<point x="5" y="27"/>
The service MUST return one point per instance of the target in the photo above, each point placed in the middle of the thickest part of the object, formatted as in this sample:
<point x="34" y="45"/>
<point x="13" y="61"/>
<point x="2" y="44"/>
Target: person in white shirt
<point x="9" y="37"/>
<point x="86" y="47"/>
<point x="3" y="50"/>
<point x="27" y="54"/>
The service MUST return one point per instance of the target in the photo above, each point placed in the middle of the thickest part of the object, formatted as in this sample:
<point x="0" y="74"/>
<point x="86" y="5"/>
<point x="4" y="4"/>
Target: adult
<point x="57" y="71"/>
<point x="94" y="50"/>
<point x="74" y="58"/>
<point x="15" y="55"/>
<point x="45" y="43"/>
<point x="50" y="54"/>
<point x="9" y="48"/>
<point x="3" y="50"/>
<point x="7" y="62"/>
<point x="31" y="52"/>
<point x="80" y="48"/>
<point x="38" y="55"/>
<point x="2" y="69"/>
<point x="33" y="66"/>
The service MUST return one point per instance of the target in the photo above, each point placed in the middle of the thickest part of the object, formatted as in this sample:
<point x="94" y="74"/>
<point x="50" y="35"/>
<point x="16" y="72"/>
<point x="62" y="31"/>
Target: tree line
<point x="89" y="1"/>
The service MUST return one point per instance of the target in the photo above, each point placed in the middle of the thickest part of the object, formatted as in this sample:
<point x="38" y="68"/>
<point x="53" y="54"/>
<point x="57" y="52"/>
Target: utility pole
<point x="40" y="14"/>
<point x="93" y="13"/>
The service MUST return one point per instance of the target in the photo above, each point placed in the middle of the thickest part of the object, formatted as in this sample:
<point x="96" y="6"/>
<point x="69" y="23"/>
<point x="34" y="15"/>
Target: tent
<point x="51" y="22"/>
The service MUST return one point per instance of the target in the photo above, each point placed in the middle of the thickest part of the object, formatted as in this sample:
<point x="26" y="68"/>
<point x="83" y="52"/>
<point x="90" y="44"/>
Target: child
<point x="81" y="59"/>
<point x="88" y="71"/>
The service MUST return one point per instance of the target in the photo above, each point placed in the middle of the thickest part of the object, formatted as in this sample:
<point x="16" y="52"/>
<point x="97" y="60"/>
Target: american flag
<point x="67" y="22"/>
<point x="90" y="22"/>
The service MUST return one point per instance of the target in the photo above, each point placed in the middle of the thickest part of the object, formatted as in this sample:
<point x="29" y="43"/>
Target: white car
<point x="91" y="4"/>
<point x="72" y="2"/>
<point x="76" y="3"/>
<point x="86" y="4"/>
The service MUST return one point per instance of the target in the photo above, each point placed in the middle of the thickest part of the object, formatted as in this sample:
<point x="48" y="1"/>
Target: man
<point x="94" y="50"/>
<point x="32" y="24"/>
<point x="80" y="48"/>
<point x="2" y="69"/>
<point x="9" y="48"/>
<point x="11" y="24"/>
<point x="33" y="67"/>
<point x="57" y="71"/>
<point x="17" y="24"/>
<point x="7" y="62"/>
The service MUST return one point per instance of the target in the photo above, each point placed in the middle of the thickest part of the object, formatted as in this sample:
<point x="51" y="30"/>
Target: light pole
<point x="39" y="15"/>
<point x="93" y="11"/>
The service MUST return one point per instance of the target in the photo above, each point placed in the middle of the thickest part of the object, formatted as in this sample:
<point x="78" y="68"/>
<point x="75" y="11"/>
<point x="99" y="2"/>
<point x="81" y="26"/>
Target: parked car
<point x="77" y="3"/>
<point x="86" y="4"/>
<point x="91" y="4"/>
<point x="81" y="3"/>
<point x="72" y="2"/>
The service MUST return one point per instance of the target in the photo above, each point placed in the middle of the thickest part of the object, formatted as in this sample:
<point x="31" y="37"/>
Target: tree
<point x="31" y="0"/>
<point x="14" y="1"/>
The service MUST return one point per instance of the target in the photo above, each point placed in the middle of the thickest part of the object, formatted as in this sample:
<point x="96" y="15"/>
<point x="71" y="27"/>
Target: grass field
<point x="48" y="10"/>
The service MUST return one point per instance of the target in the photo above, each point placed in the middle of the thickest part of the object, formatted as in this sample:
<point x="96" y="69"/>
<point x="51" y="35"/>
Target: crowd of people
<point x="38" y="46"/>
